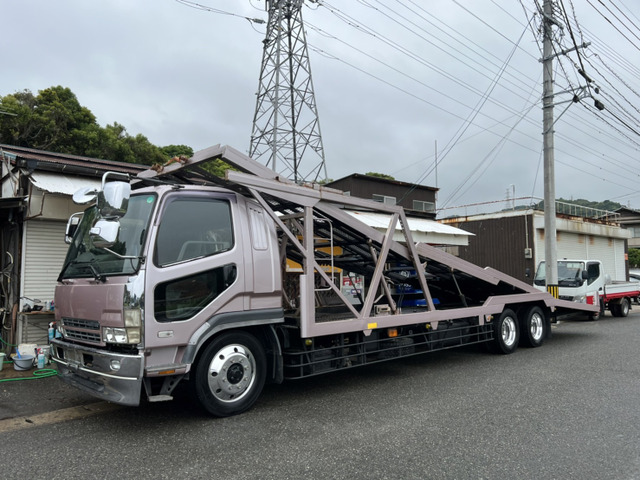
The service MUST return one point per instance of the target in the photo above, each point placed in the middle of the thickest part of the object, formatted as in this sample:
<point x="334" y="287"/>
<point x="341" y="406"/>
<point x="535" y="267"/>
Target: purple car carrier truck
<point x="177" y="275"/>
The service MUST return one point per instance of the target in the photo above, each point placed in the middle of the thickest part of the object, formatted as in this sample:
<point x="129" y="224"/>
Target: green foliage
<point x="218" y="168"/>
<point x="325" y="181"/>
<point x="54" y="120"/>
<point x="634" y="258"/>
<point x="604" y="205"/>
<point x="380" y="175"/>
<point x="171" y="151"/>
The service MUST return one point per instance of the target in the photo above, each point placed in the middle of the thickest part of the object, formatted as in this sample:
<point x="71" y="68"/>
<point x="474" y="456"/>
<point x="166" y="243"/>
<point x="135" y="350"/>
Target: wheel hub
<point x="235" y="373"/>
<point x="509" y="331"/>
<point x="232" y="371"/>
<point x="536" y="327"/>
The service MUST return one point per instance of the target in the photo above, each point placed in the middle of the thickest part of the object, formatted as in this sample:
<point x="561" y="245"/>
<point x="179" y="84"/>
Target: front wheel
<point x="534" y="328"/>
<point x="506" y="332"/>
<point x="230" y="374"/>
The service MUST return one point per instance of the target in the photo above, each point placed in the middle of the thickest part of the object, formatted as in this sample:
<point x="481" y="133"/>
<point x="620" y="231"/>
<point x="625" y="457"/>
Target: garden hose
<point x="40" y="373"/>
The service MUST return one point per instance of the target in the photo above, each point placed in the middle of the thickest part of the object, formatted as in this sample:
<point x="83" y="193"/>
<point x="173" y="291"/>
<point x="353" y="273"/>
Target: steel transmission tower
<point x="286" y="131"/>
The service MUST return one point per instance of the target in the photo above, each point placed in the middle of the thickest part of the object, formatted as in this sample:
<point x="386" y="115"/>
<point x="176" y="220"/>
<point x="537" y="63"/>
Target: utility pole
<point x="286" y="131"/>
<point x="550" y="242"/>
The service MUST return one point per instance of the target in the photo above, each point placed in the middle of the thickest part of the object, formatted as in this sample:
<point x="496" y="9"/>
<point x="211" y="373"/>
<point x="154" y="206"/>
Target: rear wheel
<point x="621" y="309"/>
<point x="534" y="328"/>
<point x="506" y="332"/>
<point x="230" y="374"/>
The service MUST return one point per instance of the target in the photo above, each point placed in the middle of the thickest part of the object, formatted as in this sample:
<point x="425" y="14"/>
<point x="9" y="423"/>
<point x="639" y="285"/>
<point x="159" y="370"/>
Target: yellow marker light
<point x="392" y="332"/>
<point x="308" y="342"/>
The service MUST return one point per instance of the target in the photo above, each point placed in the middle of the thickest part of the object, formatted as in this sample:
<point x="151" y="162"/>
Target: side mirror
<point x="84" y="195"/>
<point x="105" y="233"/>
<point x="585" y="275"/>
<point x="527" y="272"/>
<point x="72" y="226"/>
<point x="113" y="200"/>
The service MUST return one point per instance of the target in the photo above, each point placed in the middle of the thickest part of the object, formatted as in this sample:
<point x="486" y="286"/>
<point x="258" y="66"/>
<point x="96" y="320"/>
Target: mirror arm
<point x="124" y="257"/>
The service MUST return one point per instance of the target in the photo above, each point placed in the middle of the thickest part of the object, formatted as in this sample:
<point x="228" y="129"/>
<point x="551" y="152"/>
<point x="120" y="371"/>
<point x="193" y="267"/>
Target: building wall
<point x="589" y="241"/>
<point x="515" y="243"/>
<point x="365" y="187"/>
<point x="500" y="243"/>
<point x="52" y="206"/>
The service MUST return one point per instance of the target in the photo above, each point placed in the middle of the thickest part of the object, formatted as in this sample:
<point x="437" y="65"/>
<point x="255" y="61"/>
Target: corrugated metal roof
<point x="422" y="229"/>
<point x="58" y="183"/>
<point x="63" y="159"/>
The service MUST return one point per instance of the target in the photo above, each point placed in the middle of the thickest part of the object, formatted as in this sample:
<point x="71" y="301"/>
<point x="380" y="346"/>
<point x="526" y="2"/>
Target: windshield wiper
<point x="98" y="276"/>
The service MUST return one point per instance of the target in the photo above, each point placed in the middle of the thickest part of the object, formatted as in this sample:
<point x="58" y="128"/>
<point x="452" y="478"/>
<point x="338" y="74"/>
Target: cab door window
<point x="193" y="227"/>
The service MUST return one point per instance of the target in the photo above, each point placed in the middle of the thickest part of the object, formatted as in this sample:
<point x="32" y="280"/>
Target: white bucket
<point x="2" y="355"/>
<point x="27" y="349"/>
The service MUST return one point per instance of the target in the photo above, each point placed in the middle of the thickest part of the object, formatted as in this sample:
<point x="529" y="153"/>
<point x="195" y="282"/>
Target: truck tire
<point x="621" y="309"/>
<point x="506" y="333"/>
<point x="230" y="374"/>
<point x="599" y="314"/>
<point x="534" y="328"/>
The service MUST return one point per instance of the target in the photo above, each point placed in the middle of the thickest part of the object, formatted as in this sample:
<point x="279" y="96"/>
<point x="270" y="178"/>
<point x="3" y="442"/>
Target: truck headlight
<point x="132" y="317"/>
<point x="129" y="335"/>
<point x="580" y="299"/>
<point x="134" y="336"/>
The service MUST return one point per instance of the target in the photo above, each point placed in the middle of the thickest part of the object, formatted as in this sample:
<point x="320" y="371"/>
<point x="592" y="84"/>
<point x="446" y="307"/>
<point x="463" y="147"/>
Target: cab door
<point x="194" y="266"/>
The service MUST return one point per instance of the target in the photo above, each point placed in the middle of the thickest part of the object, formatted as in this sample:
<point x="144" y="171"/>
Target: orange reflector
<point x="167" y="372"/>
<point x="392" y="332"/>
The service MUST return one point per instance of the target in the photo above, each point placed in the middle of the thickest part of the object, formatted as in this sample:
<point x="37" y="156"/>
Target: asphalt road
<point x="567" y="410"/>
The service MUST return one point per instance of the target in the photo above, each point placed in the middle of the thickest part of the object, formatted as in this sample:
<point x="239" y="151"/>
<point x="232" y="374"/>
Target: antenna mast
<point x="286" y="129"/>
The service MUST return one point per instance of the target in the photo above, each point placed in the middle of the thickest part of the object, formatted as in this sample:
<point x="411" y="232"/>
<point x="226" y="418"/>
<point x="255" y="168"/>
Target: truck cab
<point x="577" y="279"/>
<point x="150" y="276"/>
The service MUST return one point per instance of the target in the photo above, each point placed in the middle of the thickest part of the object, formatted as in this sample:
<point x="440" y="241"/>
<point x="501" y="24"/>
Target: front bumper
<point x="109" y="376"/>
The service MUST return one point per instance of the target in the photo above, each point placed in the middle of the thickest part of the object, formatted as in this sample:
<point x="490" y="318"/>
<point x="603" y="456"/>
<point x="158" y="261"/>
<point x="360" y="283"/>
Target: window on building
<point x="387" y="200"/>
<point x="422" y="206"/>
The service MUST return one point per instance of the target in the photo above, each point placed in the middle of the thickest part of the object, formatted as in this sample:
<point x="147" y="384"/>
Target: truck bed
<point x="618" y="289"/>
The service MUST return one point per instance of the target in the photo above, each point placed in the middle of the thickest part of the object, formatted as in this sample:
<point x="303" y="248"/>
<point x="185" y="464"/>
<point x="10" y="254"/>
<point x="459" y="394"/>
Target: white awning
<point x="422" y="229"/>
<point x="59" y="183"/>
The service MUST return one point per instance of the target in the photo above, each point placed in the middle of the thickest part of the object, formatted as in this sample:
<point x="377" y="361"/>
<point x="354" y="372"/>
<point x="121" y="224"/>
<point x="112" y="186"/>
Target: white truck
<point x="227" y="284"/>
<point x="584" y="281"/>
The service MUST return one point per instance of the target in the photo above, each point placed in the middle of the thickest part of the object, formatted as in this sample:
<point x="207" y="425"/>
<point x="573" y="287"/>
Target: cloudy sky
<point x="395" y="82"/>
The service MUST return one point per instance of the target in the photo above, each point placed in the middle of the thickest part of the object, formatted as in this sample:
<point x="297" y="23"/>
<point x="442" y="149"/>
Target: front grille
<point x="83" y="330"/>
<point x="78" y="323"/>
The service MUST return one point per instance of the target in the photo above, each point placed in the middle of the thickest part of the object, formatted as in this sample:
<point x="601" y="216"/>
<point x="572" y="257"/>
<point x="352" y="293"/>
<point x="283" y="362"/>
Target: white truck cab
<point x="584" y="281"/>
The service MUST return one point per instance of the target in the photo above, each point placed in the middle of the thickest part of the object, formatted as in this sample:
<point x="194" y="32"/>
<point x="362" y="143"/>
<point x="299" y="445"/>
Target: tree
<point x="634" y="257"/>
<point x="171" y="151"/>
<point x="54" y="120"/>
<point x="48" y="121"/>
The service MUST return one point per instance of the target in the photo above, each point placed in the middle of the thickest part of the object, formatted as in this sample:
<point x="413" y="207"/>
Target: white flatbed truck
<point x="584" y="281"/>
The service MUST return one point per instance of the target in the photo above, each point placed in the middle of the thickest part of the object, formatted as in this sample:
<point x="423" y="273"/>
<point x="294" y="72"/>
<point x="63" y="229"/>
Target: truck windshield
<point x="569" y="274"/>
<point x="86" y="260"/>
